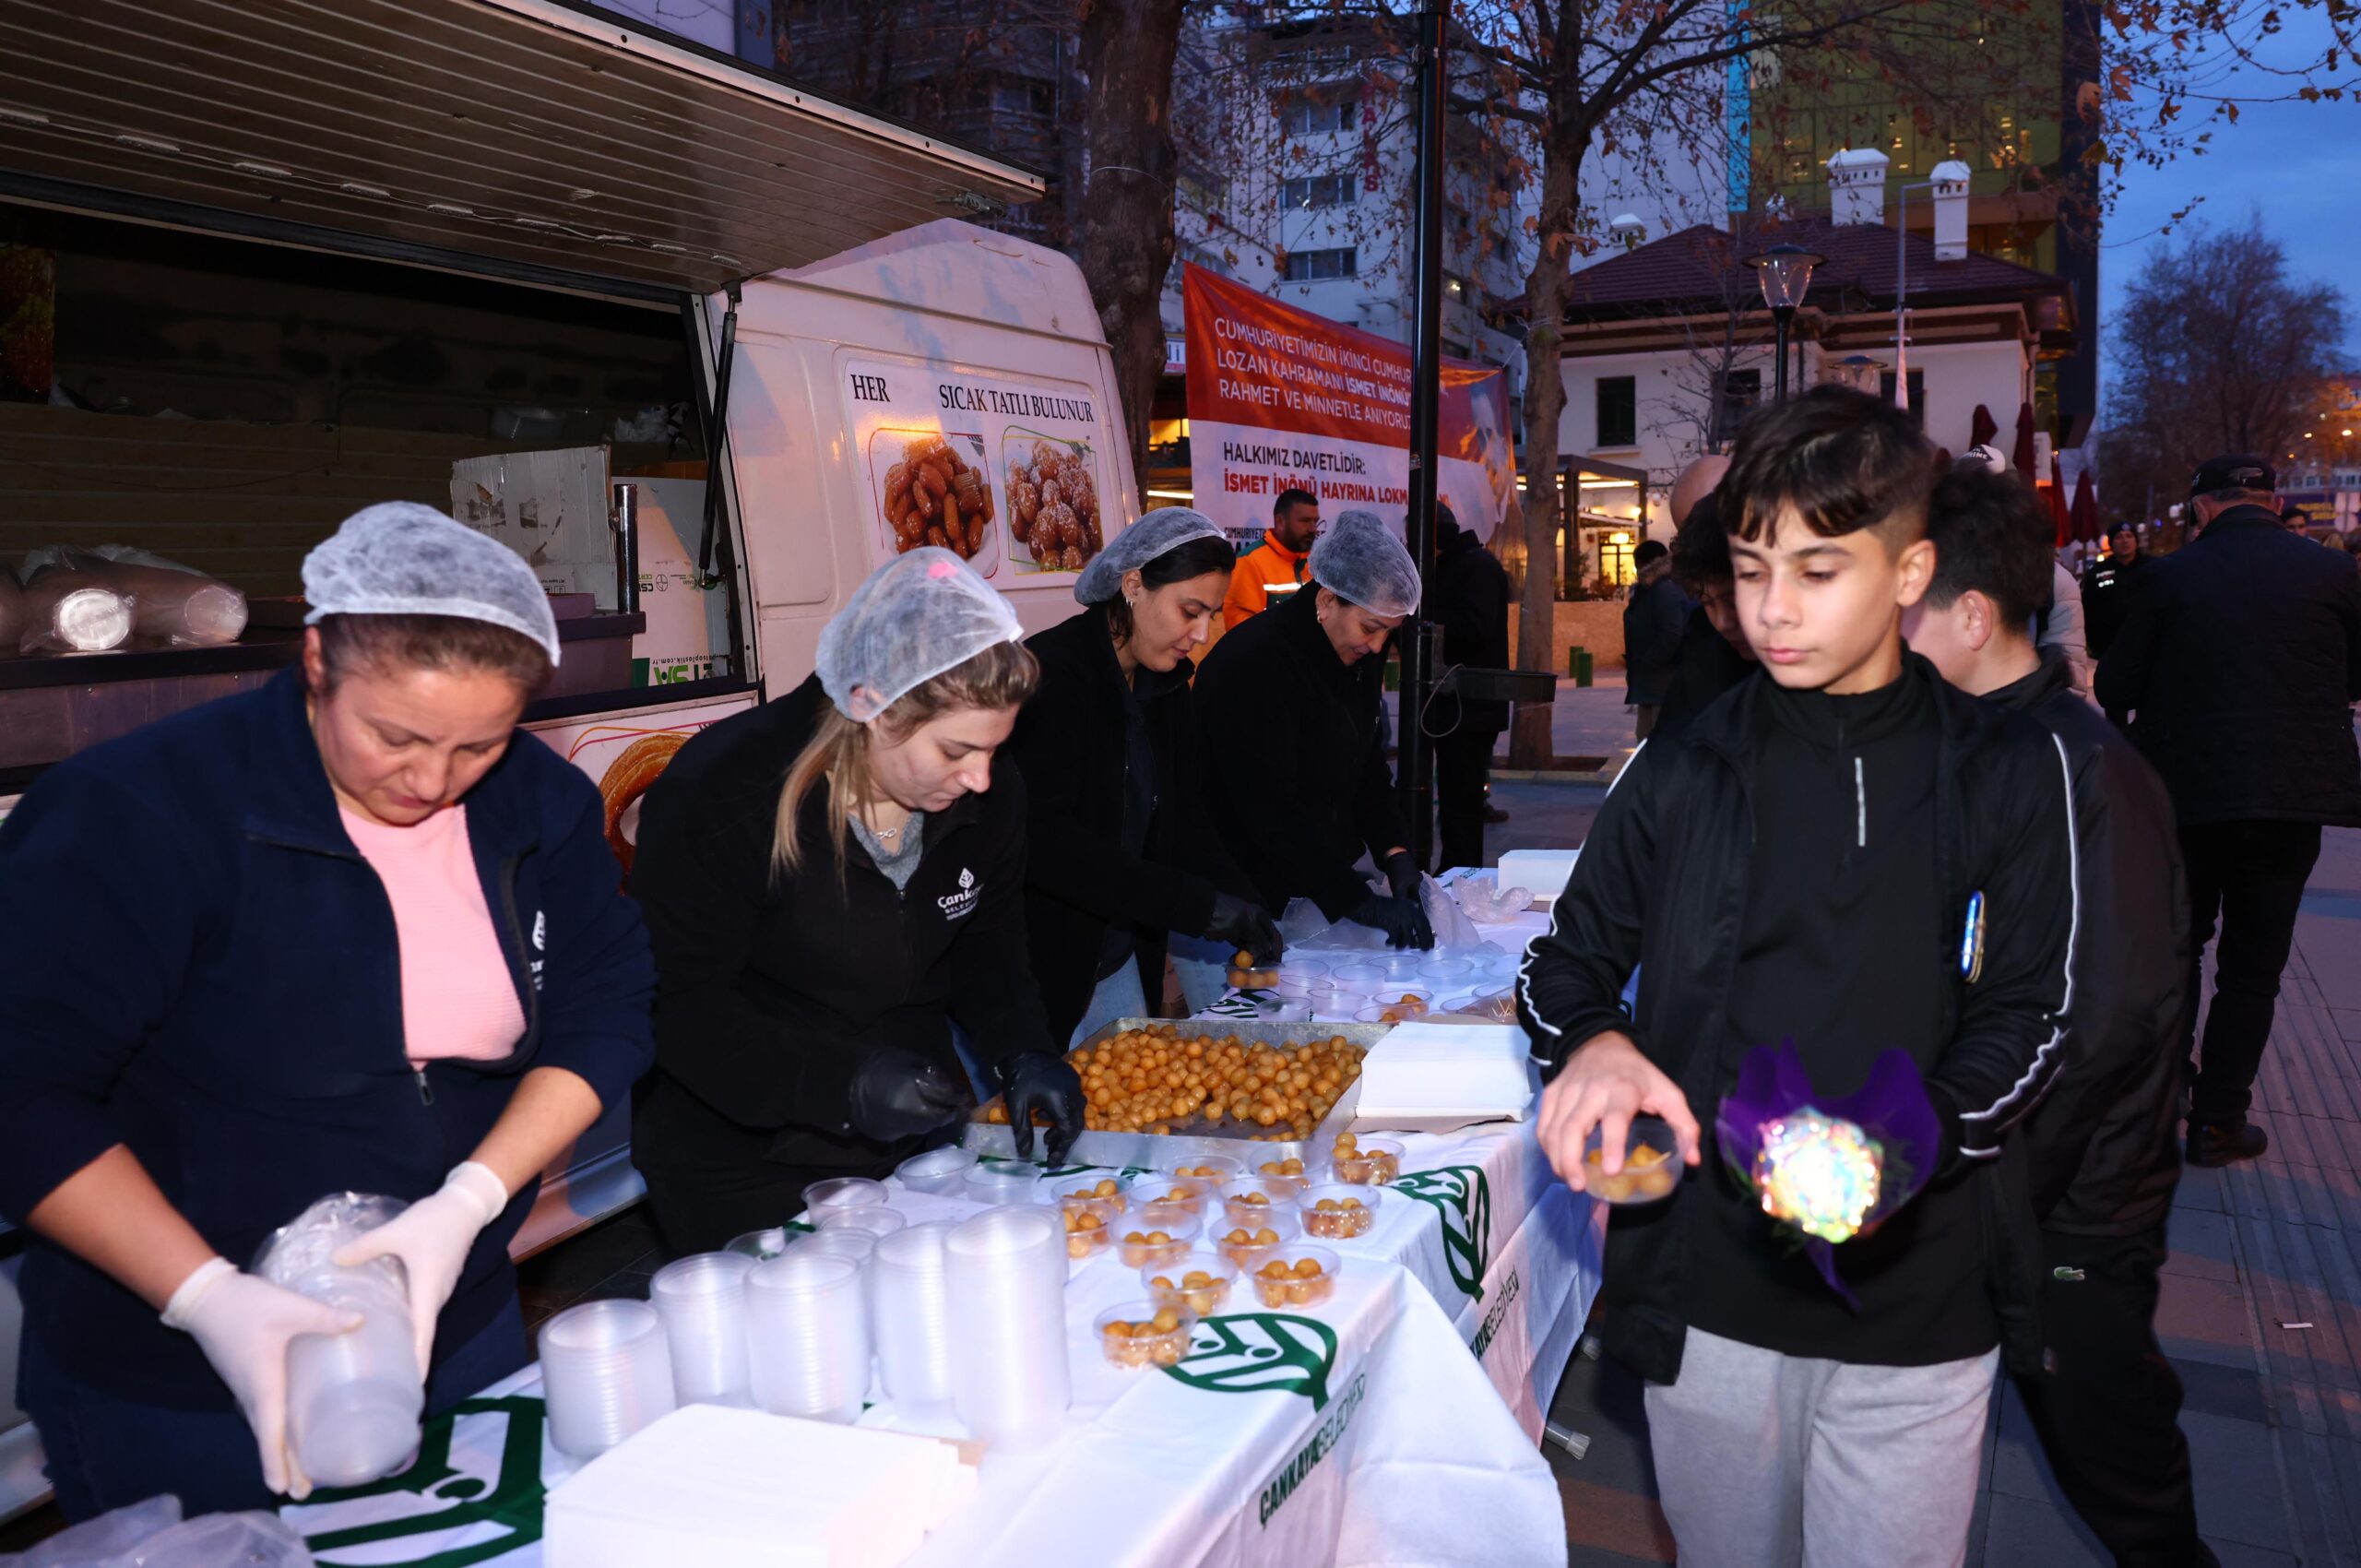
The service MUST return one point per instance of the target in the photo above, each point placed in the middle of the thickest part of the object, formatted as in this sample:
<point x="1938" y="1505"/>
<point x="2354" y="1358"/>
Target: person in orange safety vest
<point x="1279" y="561"/>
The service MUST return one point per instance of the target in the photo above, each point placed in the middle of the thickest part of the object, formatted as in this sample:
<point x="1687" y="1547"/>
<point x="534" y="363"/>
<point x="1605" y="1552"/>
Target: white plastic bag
<point x="353" y="1400"/>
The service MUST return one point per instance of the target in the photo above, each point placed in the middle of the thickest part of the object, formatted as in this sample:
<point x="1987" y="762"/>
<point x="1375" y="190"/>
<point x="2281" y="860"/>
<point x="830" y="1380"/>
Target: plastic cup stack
<point x="849" y="1242"/>
<point x="875" y="1220"/>
<point x="353" y="1400"/>
<point x="606" y="1371"/>
<point x="910" y="1315"/>
<point x="1006" y="1268"/>
<point x="807" y="1335"/>
<point x="703" y="1302"/>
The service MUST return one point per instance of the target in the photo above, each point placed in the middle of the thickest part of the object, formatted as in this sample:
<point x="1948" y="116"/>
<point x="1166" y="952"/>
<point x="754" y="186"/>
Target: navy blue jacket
<point x="197" y="964"/>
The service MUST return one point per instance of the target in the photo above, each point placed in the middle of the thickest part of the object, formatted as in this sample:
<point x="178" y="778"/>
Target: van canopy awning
<point x="531" y="132"/>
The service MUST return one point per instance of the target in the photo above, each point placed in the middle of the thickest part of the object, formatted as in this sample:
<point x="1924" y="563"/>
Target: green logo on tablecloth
<point x="513" y="1502"/>
<point x="1462" y="1196"/>
<point x="1254" y="1352"/>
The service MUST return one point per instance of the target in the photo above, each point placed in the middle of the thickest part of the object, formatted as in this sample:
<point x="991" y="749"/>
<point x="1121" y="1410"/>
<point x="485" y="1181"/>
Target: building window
<point x="1918" y="394"/>
<point x="1318" y="190"/>
<point x="1312" y="267"/>
<point x="1311" y="117"/>
<point x="1618" y="411"/>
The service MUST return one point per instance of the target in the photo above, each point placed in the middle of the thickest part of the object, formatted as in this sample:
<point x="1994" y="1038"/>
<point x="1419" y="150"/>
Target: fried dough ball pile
<point x="932" y="497"/>
<point x="1152" y="1080"/>
<point x="1053" y="506"/>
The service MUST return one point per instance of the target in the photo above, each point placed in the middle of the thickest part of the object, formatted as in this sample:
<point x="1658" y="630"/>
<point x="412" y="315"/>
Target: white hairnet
<point x="399" y="558"/>
<point x="1359" y="558"/>
<point x="1167" y="528"/>
<point x="910" y="620"/>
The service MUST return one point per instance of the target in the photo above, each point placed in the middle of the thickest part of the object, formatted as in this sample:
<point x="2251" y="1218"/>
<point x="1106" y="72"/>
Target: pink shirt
<point x="459" y="998"/>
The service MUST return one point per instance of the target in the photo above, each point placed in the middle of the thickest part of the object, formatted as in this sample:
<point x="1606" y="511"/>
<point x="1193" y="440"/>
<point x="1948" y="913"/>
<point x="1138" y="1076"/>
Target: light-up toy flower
<point x="1829" y="1167"/>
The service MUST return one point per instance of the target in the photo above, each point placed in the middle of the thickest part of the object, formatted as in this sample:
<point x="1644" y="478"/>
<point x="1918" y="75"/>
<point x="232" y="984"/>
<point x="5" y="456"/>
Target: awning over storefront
<point x="532" y="133"/>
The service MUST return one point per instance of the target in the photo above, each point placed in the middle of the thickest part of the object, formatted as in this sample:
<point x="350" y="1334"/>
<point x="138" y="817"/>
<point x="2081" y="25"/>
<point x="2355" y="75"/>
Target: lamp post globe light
<point x="1785" y="274"/>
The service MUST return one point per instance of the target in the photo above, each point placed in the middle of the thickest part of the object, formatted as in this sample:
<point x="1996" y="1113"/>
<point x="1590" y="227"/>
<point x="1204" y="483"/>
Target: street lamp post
<point x="1785" y="274"/>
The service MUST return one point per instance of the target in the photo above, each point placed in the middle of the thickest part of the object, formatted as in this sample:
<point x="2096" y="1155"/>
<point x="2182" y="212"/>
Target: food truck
<point x="703" y="346"/>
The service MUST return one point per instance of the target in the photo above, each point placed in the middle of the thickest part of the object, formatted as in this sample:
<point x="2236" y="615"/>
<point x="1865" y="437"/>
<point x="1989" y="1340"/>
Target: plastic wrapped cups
<point x="606" y="1371"/>
<point x="703" y="1302"/>
<point x="1009" y="1378"/>
<point x="807" y="1335"/>
<point x="910" y="1316"/>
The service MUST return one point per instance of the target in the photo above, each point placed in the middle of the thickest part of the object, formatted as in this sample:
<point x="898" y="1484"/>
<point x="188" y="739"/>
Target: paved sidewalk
<point x="2260" y="1316"/>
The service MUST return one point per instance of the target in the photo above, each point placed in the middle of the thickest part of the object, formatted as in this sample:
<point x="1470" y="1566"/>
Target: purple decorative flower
<point x="1828" y="1166"/>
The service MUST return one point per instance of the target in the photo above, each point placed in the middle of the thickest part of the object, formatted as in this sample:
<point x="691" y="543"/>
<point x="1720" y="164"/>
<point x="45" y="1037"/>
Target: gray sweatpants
<point x="1772" y="1461"/>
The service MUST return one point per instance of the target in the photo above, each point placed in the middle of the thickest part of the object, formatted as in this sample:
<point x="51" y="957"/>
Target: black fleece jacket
<point x="1295" y="758"/>
<point x="771" y="989"/>
<point x="2103" y="1154"/>
<point x="1662" y="885"/>
<point x="1082" y="876"/>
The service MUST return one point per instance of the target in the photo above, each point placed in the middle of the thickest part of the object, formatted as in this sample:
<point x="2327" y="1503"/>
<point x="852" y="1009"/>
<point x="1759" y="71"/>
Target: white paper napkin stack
<point x="1431" y="1077"/>
<point x="727" y="1488"/>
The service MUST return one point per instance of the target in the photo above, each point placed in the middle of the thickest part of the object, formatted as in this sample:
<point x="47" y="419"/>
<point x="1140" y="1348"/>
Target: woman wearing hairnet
<point x="1290" y="707"/>
<point x="1120" y="851"/>
<point x="832" y="880"/>
<point x="330" y="935"/>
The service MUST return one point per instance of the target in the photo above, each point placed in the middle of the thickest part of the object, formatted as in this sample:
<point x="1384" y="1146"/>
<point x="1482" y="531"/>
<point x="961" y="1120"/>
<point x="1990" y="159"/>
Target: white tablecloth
<point x="1362" y="1432"/>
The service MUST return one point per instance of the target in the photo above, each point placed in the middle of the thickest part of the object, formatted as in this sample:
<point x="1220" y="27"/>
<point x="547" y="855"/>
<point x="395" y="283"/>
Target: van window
<point x="224" y="405"/>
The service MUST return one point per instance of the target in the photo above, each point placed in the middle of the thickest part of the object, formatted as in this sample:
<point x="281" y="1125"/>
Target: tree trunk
<point x="1545" y="400"/>
<point x="1125" y="226"/>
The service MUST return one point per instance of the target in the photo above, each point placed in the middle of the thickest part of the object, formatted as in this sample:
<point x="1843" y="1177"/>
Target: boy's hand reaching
<point x="1604" y="1084"/>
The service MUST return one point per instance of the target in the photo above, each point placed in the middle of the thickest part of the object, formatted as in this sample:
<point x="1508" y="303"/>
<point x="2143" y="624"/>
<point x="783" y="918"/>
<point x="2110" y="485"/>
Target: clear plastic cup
<point x="910" y="1316"/>
<point x="1370" y="1162"/>
<point x="943" y="1171"/>
<point x="1138" y="1335"/>
<point x="1009" y="1373"/>
<point x="1161" y="1201"/>
<point x="1107" y="1192"/>
<point x="1202" y="1281"/>
<point x="1258" y="1239"/>
<point x="1445" y="974"/>
<point x="1281" y="1177"/>
<point x="1403" y="963"/>
<point x="1136" y="1243"/>
<point x="1359" y="980"/>
<point x="807" y="1335"/>
<point x="1301" y="972"/>
<point x="1651" y="1165"/>
<point x="703" y="1302"/>
<point x="606" y="1372"/>
<point x="1004" y="1181"/>
<point x="761" y="1244"/>
<point x="1287" y="1010"/>
<point x="1306" y="1276"/>
<point x="1089" y="1226"/>
<point x="1220" y="1169"/>
<point x="843" y="1192"/>
<point x="875" y="1221"/>
<point x="1350" y="1211"/>
<point x="354" y="1400"/>
<point x="1251" y="1202"/>
<point x="855" y="1245"/>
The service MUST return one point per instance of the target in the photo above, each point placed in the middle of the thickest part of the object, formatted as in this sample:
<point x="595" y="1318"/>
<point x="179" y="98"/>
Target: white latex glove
<point x="431" y="1238"/>
<point x="242" y="1324"/>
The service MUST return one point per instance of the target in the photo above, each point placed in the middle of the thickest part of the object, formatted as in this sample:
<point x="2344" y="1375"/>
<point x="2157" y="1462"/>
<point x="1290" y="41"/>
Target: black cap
<point x="1650" y="552"/>
<point x="2234" y="472"/>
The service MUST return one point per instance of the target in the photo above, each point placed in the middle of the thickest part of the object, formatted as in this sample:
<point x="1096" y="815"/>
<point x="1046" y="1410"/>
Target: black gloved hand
<point x="1243" y="925"/>
<point x="899" y="1093"/>
<point x="1402" y="921"/>
<point x="1035" y="1080"/>
<point x="1401" y="870"/>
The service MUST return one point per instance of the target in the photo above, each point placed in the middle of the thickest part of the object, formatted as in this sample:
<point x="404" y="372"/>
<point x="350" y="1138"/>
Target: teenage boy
<point x="1852" y="856"/>
<point x="2101" y="1147"/>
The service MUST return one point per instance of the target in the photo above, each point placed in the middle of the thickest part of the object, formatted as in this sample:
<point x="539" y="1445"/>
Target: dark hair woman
<point x="833" y="881"/>
<point x="1122" y="852"/>
<point x="328" y="935"/>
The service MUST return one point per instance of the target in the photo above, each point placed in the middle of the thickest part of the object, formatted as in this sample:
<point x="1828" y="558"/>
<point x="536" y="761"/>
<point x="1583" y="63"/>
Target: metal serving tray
<point x="1147" y="1150"/>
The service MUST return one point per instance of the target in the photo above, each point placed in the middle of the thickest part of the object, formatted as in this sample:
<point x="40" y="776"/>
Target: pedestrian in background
<point x="2106" y="589"/>
<point x="2100" y="1149"/>
<point x="1469" y="600"/>
<point x="1713" y="654"/>
<point x="2238" y="660"/>
<point x="1653" y="619"/>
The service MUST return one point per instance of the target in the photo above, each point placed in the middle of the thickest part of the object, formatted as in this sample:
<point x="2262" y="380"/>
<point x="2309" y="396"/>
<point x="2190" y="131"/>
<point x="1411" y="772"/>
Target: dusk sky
<point x="2298" y="164"/>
